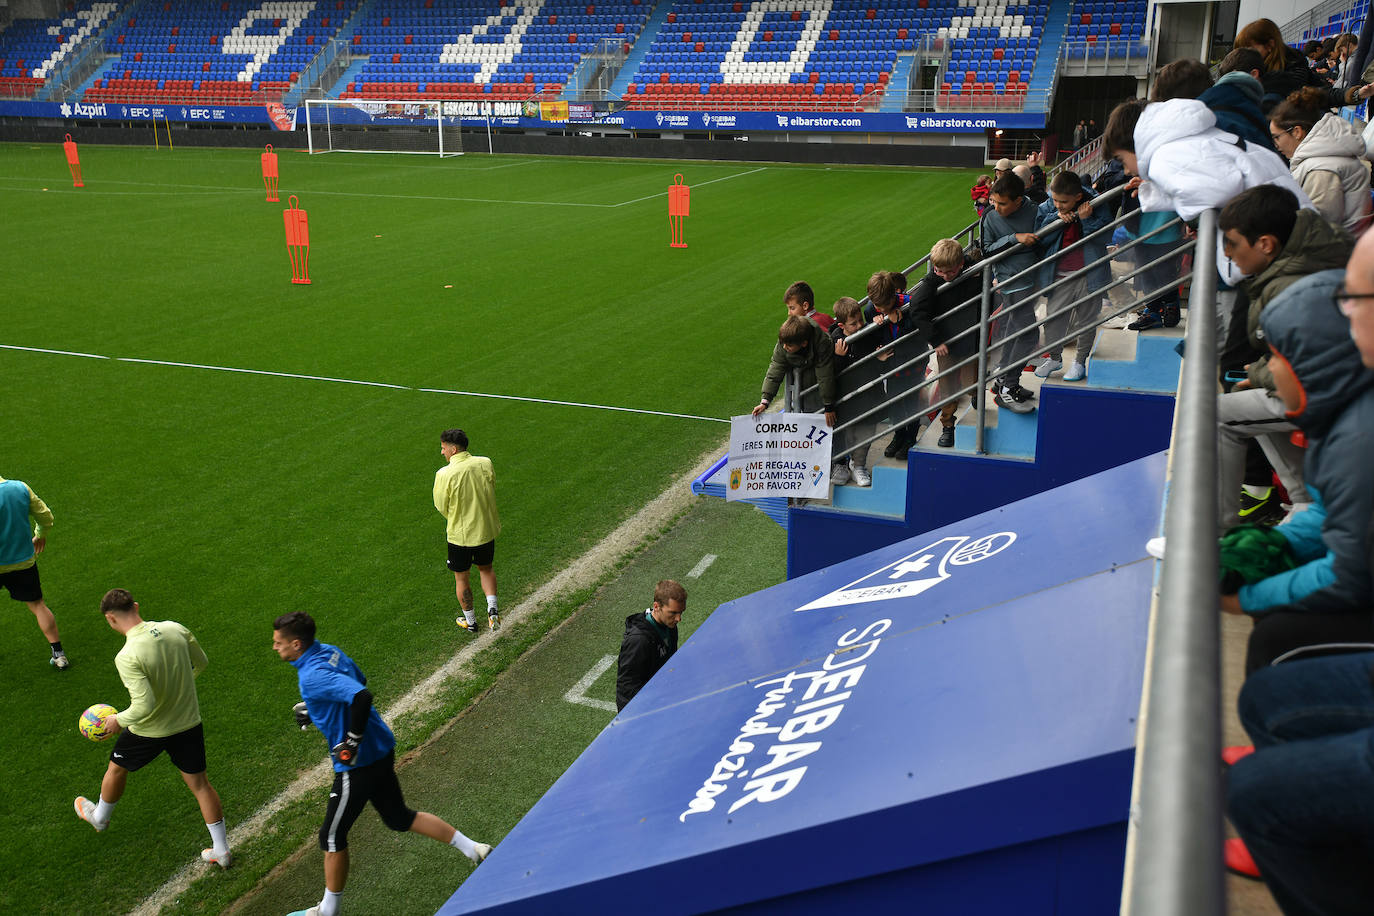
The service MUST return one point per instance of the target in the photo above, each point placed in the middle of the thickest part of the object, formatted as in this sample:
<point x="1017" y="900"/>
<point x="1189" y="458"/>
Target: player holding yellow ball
<point x="158" y="665"/>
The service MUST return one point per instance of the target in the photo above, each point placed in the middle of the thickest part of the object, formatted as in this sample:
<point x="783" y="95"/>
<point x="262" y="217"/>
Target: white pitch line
<point x="701" y="567"/>
<point x="313" y="378"/>
<point x="369" y="384"/>
<point x="55" y="352"/>
<point x="576" y="693"/>
<point x="514" y="397"/>
<point x="699" y="185"/>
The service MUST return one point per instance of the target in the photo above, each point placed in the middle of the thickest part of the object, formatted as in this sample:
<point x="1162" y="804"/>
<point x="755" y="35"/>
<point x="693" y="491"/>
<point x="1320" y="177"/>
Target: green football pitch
<point x="230" y="446"/>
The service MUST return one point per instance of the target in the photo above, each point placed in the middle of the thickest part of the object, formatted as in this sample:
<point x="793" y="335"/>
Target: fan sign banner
<point x="785" y="454"/>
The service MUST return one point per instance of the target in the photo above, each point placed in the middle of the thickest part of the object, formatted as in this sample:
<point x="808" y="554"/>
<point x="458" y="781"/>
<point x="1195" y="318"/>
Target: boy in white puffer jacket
<point x="1186" y="164"/>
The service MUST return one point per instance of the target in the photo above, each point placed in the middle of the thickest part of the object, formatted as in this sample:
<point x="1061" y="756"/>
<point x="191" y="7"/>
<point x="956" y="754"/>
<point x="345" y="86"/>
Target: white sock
<point x="1257" y="492"/>
<point x="491" y="604"/>
<point x="103" y="810"/>
<point x="219" y="838"/>
<point x="471" y="618"/>
<point x="464" y="845"/>
<point x="329" y="906"/>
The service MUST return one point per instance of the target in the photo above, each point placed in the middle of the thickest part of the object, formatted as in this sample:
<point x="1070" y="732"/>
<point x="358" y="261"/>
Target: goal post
<point x="381" y="126"/>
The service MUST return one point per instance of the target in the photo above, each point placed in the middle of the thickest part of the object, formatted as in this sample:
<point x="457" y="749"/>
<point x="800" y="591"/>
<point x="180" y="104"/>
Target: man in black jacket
<point x="650" y="640"/>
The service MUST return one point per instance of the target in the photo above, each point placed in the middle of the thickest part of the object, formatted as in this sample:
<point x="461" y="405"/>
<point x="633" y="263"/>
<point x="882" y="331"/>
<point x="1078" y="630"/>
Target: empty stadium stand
<point x="221" y="52"/>
<point x="1105" y="26"/>
<point x="832" y="56"/>
<point x="681" y="54"/>
<point x="1346" y="20"/>
<point x="460" y="49"/>
<point x="31" y="48"/>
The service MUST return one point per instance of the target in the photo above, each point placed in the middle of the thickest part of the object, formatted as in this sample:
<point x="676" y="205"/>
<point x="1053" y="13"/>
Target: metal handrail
<point x="1174" y="840"/>
<point x="985" y="373"/>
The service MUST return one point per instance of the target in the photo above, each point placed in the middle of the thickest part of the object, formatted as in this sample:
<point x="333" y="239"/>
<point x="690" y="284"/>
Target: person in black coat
<point x="1286" y="70"/>
<point x="650" y="640"/>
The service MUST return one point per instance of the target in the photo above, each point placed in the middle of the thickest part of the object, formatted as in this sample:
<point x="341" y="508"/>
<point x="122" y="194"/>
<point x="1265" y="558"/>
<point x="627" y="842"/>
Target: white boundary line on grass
<point x="577" y="693"/>
<point x="578" y="574"/>
<point x="55" y="352"/>
<point x="702" y="566"/>
<point x="352" y="381"/>
<point x="513" y="397"/>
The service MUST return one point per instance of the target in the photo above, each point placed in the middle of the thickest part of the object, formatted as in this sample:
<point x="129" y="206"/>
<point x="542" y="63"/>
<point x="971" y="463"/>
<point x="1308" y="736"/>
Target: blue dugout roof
<point x="951" y="718"/>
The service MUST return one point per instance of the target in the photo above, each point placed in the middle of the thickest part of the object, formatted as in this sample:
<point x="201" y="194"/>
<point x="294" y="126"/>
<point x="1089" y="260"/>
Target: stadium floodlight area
<point x="943" y="725"/>
<point x="381" y="126"/>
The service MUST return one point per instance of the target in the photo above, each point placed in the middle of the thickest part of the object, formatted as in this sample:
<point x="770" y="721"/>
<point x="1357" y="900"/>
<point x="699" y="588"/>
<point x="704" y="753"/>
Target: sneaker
<point x="1257" y="510"/>
<point x="482" y="851"/>
<point x="1238" y="859"/>
<point x="493" y="621"/>
<point x="222" y="859"/>
<point x="839" y="473"/>
<point x="85" y="809"/>
<point x="861" y="477"/>
<point x="1047" y="365"/>
<point x="946" y="437"/>
<point x="463" y="625"/>
<point x="1022" y="395"/>
<point x="1170" y="316"/>
<point x="1150" y="320"/>
<point x="313" y="911"/>
<point x="1007" y="401"/>
<point x="59" y="661"/>
<point x="1077" y="372"/>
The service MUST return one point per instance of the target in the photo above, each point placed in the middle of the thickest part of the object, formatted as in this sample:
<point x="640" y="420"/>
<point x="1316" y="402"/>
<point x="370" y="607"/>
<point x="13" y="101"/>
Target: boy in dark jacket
<point x="953" y="313"/>
<point x="904" y="339"/>
<point x="852" y="373"/>
<point x="650" y="640"/>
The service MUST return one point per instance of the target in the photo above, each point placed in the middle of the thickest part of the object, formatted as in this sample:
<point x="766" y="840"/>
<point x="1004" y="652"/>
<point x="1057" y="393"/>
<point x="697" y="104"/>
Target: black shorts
<point x="352" y="789"/>
<point x="23" y="584"/>
<point x="460" y="559"/>
<point x="187" y="750"/>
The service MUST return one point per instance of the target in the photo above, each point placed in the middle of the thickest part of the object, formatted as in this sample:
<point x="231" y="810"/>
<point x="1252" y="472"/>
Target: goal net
<point x="379" y="126"/>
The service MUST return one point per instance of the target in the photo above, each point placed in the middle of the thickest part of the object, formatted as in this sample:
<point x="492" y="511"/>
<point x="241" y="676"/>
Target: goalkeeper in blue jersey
<point x="335" y="699"/>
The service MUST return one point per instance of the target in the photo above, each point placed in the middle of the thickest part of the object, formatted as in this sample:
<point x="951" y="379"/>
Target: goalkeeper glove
<point x="346" y="751"/>
<point x="302" y="716"/>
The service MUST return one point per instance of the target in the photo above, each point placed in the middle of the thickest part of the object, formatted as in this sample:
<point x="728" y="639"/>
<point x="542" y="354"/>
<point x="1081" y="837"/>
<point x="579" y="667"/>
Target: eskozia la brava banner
<point x="781" y="454"/>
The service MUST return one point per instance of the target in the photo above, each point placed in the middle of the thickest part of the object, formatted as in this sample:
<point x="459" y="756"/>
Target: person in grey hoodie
<point x="1325" y="154"/>
<point x="1329" y="394"/>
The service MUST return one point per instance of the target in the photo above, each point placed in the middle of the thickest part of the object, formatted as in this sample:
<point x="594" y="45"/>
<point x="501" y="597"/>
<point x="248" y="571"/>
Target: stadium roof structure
<point x="943" y="725"/>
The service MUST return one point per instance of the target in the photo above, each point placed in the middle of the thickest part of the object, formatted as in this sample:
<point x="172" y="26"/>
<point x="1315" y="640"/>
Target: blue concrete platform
<point x="945" y="725"/>
<point x="1077" y="430"/>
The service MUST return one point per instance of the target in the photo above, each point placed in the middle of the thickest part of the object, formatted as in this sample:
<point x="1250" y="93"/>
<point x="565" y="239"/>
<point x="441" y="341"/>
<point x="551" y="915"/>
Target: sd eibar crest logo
<point x="734" y="479"/>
